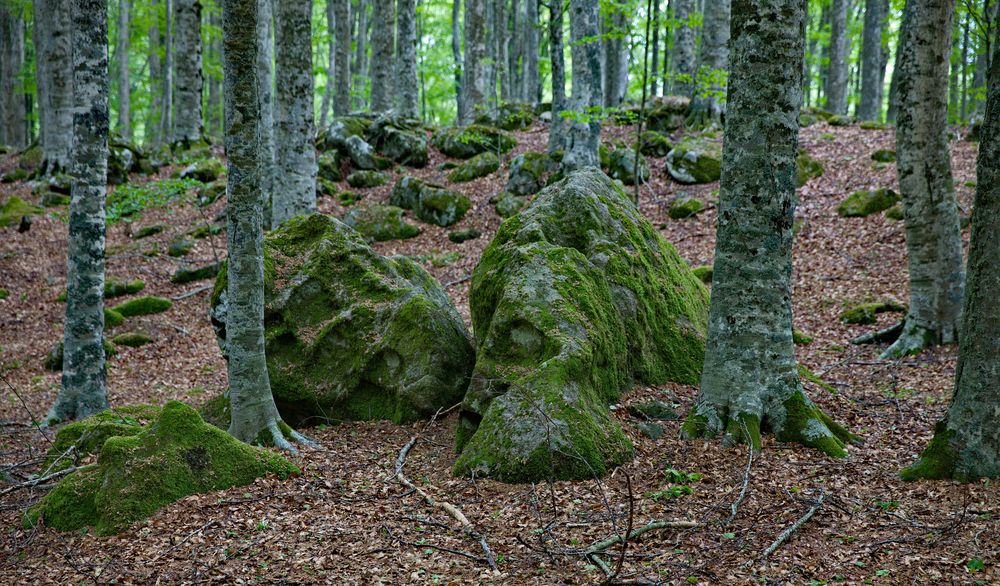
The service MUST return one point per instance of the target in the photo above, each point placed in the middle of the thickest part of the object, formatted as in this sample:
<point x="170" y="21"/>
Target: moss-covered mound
<point x="622" y="166"/>
<point x="884" y="156"/>
<point x="14" y="209"/>
<point x="704" y="273"/>
<point x="367" y="178"/>
<point x="460" y="236"/>
<point x="695" y="160"/>
<point x="465" y="142"/>
<point x="81" y="438"/>
<point x="865" y="203"/>
<point x="507" y="204"/>
<point x="380" y="223"/>
<point x="684" y="207"/>
<point x="179" y="248"/>
<point x="351" y="334"/>
<point x="329" y="166"/>
<point x="478" y="166"/>
<point x="189" y="274"/>
<point x="655" y="144"/>
<point x="205" y="170"/>
<point x="115" y="288"/>
<point x="131" y="339"/>
<point x="509" y="116"/>
<point x="806" y="168"/>
<point x="342" y="128"/>
<point x="175" y="456"/>
<point x="430" y="202"/>
<point x="575" y="298"/>
<point x="865" y="313"/>
<point x="142" y="306"/>
<point x="401" y="139"/>
<point x="528" y="172"/>
<point x="667" y="113"/>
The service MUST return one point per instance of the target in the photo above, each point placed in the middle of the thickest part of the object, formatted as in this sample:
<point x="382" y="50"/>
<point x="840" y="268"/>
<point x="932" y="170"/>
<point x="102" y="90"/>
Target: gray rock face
<point x="351" y="334"/>
<point x="527" y="173"/>
<point x="401" y="139"/>
<point x="621" y="166"/>
<point x="430" y="202"/>
<point x="380" y="223"/>
<point x="361" y="153"/>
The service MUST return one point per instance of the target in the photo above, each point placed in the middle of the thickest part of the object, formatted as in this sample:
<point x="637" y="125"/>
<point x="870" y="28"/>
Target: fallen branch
<point x="795" y="526"/>
<point x="746" y="482"/>
<point x="193" y="292"/>
<point x="653" y="526"/>
<point x="447" y="507"/>
<point x="888" y="335"/>
<point x="628" y="529"/>
<point x="457" y="281"/>
<point x="37" y="481"/>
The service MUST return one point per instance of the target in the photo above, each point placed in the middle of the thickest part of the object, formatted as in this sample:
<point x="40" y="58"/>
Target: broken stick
<point x="795" y="526"/>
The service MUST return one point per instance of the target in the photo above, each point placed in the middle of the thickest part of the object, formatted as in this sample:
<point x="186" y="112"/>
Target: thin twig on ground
<point x="795" y="526"/>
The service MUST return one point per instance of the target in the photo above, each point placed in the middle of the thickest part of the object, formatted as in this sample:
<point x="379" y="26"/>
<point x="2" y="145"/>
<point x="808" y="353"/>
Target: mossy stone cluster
<point x="667" y="113"/>
<point x="884" y="156"/>
<point x="14" y="209"/>
<point x="380" y="223"/>
<point x="655" y="144"/>
<point x="684" y="207"/>
<point x="400" y="139"/>
<point x="865" y="313"/>
<point x="509" y="116"/>
<point x="351" y="334"/>
<point x="622" y="166"/>
<point x="695" y="160"/>
<point x="115" y="288"/>
<point x="478" y="166"/>
<point x="576" y="297"/>
<point x="465" y="142"/>
<point x="865" y="203"/>
<point x="507" y="204"/>
<point x="806" y="168"/>
<point x="142" y="306"/>
<point x="329" y="166"/>
<point x="367" y="179"/>
<point x="528" y="172"/>
<point x="463" y="235"/>
<point x="430" y="202"/>
<point x="190" y="274"/>
<point x="205" y="170"/>
<point x="175" y="456"/>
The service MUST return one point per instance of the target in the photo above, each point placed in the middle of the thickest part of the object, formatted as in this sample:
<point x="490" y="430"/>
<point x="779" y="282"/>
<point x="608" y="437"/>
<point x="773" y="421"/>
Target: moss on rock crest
<point x="176" y="455"/>
<point x="576" y="297"/>
<point x="351" y="334"/>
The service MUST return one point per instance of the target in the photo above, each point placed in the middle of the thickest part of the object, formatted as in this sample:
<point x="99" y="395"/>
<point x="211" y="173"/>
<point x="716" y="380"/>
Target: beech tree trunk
<point x="121" y="54"/>
<point x="683" y="72"/>
<point x="154" y="115"/>
<point x="966" y="444"/>
<point x="655" y="68"/>
<point x="331" y="56"/>
<point x="933" y="236"/>
<point x="342" y="71"/>
<point x="13" y="122"/>
<point x="54" y="66"/>
<point x="167" y="121"/>
<point x="708" y="105"/>
<point x="615" y="55"/>
<point x="265" y="93"/>
<point x="187" y="73"/>
<point x="294" y="191"/>
<point x="532" y="89"/>
<point x="361" y="54"/>
<point x="213" y="118"/>
<point x="383" y="55"/>
<point x="872" y="68"/>
<point x="475" y="86"/>
<point x="557" y="128"/>
<point x="750" y="382"/>
<point x="84" y="383"/>
<point x="456" y="55"/>
<point x="407" y="88"/>
<point x="584" y="132"/>
<point x="836" y="77"/>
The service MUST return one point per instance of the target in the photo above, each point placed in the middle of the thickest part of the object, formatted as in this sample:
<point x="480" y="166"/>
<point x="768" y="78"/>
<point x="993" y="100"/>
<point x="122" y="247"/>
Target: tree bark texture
<point x="557" y="129"/>
<point x="584" y="132"/>
<point x="532" y="88"/>
<point x="54" y="66"/>
<point x="474" y="76"/>
<point x="121" y="54"/>
<point x="683" y="72"/>
<point x="872" y="72"/>
<point x="13" y="123"/>
<point x="265" y="94"/>
<point x="342" y="70"/>
<point x="407" y="88"/>
<point x="708" y="105"/>
<point x="187" y="73"/>
<point x="836" y="77"/>
<point x="383" y="55"/>
<point x="456" y="55"/>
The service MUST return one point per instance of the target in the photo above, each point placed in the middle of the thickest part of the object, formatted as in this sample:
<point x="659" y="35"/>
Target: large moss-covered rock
<point x="806" y="168"/>
<point x="655" y="144"/>
<point x="205" y="170"/>
<point x="509" y="116"/>
<point x="430" y="202"/>
<point x="79" y="439"/>
<point x="684" y="207"/>
<point x="367" y="178"/>
<point x="575" y="298"/>
<point x="380" y="223"/>
<point x="342" y="128"/>
<point x="528" y="172"/>
<point x="622" y="166"/>
<point x="695" y="160"/>
<point x="865" y="203"/>
<point x="401" y="139"/>
<point x="507" y="204"/>
<point x="465" y="142"/>
<point x="14" y="209"/>
<point x="351" y="334"/>
<point x="176" y="455"/>
<point x="478" y="166"/>
<point x="329" y="166"/>
<point x="667" y="113"/>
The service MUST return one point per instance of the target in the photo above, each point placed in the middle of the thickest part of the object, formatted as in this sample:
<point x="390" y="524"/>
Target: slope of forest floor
<point x="345" y="520"/>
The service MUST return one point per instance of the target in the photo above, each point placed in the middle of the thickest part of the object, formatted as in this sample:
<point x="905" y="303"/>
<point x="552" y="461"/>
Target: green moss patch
<point x="131" y="339"/>
<point x="14" y="209"/>
<point x="430" y="202"/>
<point x="684" y="207"/>
<point x="115" y="288"/>
<point x="695" y="160"/>
<point x="478" y="166"/>
<point x="143" y="306"/>
<point x="865" y="313"/>
<point x="112" y="318"/>
<point x="188" y="274"/>
<point x="147" y="231"/>
<point x="865" y="203"/>
<point x="465" y="142"/>
<point x="380" y="223"/>
<point x="806" y="168"/>
<point x="460" y="236"/>
<point x="884" y="156"/>
<point x="704" y="273"/>
<point x="367" y="179"/>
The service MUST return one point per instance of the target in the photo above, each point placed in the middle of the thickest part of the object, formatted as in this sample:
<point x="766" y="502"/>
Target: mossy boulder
<point x="460" y="236"/>
<point x="14" y="175"/>
<point x="363" y="156"/>
<point x="509" y="116"/>
<point x="871" y="125"/>
<point x="622" y="166"/>
<point x="342" y="128"/>
<point x="478" y="166"/>
<point x="206" y="230"/>
<point x="380" y="223"/>
<point x="895" y="213"/>
<point x="507" y="204"/>
<point x="147" y="231"/>
<point x="351" y="334"/>
<point x="112" y="318"/>
<point x="884" y="156"/>
<point x="190" y="274"/>
<point x="430" y="202"/>
<point x="175" y="456"/>
<point x="684" y="207"/>
<point x="52" y="199"/>
<point x="575" y="299"/>
<point x="655" y="144"/>
<point x="667" y="113"/>
<point x="864" y="313"/>
<point x="840" y="120"/>
<point x="205" y="170"/>
<point x="211" y="193"/>
<point x="348" y="198"/>
<point x="143" y="306"/>
<point x="806" y="168"/>
<point x="14" y="209"/>
<point x="695" y="160"/>
<point x="329" y="166"/>
<point x="865" y="203"/>
<point x="400" y="139"/>
<point x="85" y="437"/>
<point x="115" y="288"/>
<point x="528" y="172"/>
<point x="31" y="160"/>
<point x="180" y="248"/>
<point x="367" y="179"/>
<point x="131" y="339"/>
<point x="465" y="142"/>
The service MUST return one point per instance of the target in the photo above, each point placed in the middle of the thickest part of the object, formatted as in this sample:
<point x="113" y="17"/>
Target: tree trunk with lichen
<point x="187" y="73"/>
<point x="13" y="127"/>
<point x="966" y="444"/>
<point x="475" y="86"/>
<point x="836" y="77"/>
<point x="294" y="191"/>
<point x="383" y="55"/>
<point x="872" y="68"/>
<point x="84" y="382"/>
<point x="557" y="127"/>
<point x="583" y="134"/>
<point x="265" y="94"/>
<point x="933" y="235"/>
<point x="707" y="105"/>
<point x="342" y="71"/>
<point x="683" y="70"/>
<point x="54" y="65"/>
<point x="407" y="89"/>
<point x="750" y="381"/>
<point x="254" y="415"/>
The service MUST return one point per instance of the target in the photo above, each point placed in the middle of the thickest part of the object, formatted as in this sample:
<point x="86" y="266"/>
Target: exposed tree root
<point x="912" y="340"/>
<point x="886" y="336"/>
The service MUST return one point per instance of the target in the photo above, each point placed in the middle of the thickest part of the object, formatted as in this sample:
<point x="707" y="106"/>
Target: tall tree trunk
<point x="893" y="108"/>
<point x="498" y="38"/>
<point x="294" y="191"/>
<point x="872" y="71"/>
<point x="836" y="77"/>
<point x="254" y="415"/>
<point x="989" y="16"/>
<point x="557" y="129"/>
<point x="167" y="122"/>
<point x="360" y="67"/>
<point x="331" y="56"/>
<point x="683" y="56"/>
<point x="54" y="59"/>
<point x="966" y="444"/>
<point x="265" y="94"/>
<point x="965" y="69"/>
<point x="84" y="383"/>
<point x="933" y="237"/>
<point x="214" y="117"/>
<point x="708" y="105"/>
<point x="750" y="380"/>
<point x="532" y="88"/>
<point x="13" y="128"/>
<point x="407" y="89"/>
<point x="475" y="86"/>
<point x="456" y="56"/>
<point x="187" y="73"/>
<point x="154" y="114"/>
<point x="515" y="74"/>
<point x="383" y="29"/>
<point x="655" y="69"/>
<point x="121" y="54"/>
<point x="615" y="24"/>
<point x="584" y="132"/>
<point x="342" y="71"/>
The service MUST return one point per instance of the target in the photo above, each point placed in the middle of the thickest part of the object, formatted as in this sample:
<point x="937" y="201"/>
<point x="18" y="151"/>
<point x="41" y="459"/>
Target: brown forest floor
<point x="343" y="522"/>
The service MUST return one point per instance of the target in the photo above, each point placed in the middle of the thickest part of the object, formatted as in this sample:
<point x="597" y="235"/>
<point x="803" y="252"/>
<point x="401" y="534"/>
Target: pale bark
<point x="683" y="71"/>
<point x="708" y="105"/>
<point x="154" y="114"/>
<point x="557" y="129"/>
<point x="84" y="383"/>
<point x="456" y="56"/>
<point x="167" y="120"/>
<point x="361" y="54"/>
<point x="836" y="77"/>
<point x="331" y="56"/>
<point x="584" y="132"/>
<point x="342" y="69"/>
<point x="214" y="114"/>
<point x="265" y="95"/>
<point x="475" y="86"/>
<point x="514" y="43"/>
<point x="54" y="59"/>
<point x="872" y="62"/>
<point x="187" y="128"/>
<point x="750" y="380"/>
<point x="933" y="237"/>
<point x="121" y="54"/>
<point x="383" y="27"/>
<point x="407" y="89"/>
<point x="13" y="122"/>
<point x="655" y="68"/>
<point x="615" y="54"/>
<point x="294" y="191"/>
<point x="532" y="89"/>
